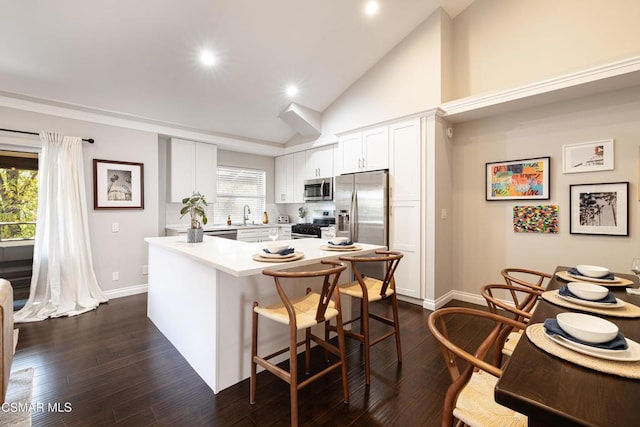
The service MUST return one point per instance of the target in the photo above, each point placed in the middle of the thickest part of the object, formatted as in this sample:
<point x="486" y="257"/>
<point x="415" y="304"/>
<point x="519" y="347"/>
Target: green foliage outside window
<point x="18" y="203"/>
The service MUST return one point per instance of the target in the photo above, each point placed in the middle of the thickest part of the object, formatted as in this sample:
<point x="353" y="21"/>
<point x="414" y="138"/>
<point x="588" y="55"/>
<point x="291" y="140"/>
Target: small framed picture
<point x="518" y="179"/>
<point x="599" y="209"/>
<point x="588" y="157"/>
<point x="118" y="185"/>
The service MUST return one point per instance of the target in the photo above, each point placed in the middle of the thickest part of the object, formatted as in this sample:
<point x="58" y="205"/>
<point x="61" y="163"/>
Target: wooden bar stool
<point x="302" y="313"/>
<point x="368" y="290"/>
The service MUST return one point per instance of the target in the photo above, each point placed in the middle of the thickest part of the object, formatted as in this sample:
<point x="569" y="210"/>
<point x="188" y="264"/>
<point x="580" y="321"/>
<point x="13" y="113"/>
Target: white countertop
<point x="182" y="228"/>
<point x="235" y="257"/>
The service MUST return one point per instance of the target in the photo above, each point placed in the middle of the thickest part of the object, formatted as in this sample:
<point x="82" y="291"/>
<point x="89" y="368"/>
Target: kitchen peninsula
<point x="200" y="297"/>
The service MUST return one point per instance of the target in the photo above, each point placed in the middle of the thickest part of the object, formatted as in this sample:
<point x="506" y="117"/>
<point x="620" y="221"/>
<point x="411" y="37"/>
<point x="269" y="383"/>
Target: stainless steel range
<point x="306" y="230"/>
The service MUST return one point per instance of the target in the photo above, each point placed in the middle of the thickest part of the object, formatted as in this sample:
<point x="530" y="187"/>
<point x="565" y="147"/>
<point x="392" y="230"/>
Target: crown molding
<point x="612" y="76"/>
<point x="92" y="115"/>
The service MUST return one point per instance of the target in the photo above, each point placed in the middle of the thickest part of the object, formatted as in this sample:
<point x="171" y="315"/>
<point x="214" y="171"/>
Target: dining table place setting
<point x="592" y="298"/>
<point x="593" y="273"/>
<point x="278" y="252"/>
<point x="341" y="244"/>
<point x="588" y="341"/>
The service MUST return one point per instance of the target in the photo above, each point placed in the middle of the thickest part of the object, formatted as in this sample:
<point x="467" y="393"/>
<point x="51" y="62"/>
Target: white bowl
<point x="587" y="328"/>
<point x="276" y="247"/>
<point x="588" y="290"/>
<point x="338" y="240"/>
<point x="592" y="270"/>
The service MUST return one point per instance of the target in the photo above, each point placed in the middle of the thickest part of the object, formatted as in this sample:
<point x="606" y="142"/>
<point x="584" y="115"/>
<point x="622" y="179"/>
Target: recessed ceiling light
<point x="207" y="58"/>
<point x="292" y="90"/>
<point x="371" y="8"/>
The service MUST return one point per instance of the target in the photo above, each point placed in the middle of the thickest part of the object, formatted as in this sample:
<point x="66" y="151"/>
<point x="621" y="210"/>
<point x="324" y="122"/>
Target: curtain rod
<point x="89" y="140"/>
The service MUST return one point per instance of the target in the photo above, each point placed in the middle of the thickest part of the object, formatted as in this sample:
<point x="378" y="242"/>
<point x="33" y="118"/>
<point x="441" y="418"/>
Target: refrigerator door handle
<point x="354" y="222"/>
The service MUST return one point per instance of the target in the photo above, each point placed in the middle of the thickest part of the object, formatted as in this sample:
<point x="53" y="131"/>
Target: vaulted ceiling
<point x="141" y="58"/>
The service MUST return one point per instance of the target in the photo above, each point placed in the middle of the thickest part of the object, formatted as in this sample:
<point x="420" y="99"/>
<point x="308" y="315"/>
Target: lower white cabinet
<point x="254" y="235"/>
<point x="404" y="236"/>
<point x="285" y="232"/>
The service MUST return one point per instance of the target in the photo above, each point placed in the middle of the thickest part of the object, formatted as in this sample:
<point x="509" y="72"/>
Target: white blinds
<point x="238" y="187"/>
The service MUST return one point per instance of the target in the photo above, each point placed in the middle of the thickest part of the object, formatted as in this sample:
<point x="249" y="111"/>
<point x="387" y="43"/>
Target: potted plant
<point x="302" y="212"/>
<point x="194" y="206"/>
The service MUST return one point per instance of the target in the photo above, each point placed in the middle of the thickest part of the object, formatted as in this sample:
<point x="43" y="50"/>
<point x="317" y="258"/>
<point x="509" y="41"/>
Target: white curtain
<point x="63" y="282"/>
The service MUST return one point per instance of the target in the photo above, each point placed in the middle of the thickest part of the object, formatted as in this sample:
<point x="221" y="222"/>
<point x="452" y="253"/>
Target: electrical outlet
<point x="115" y="227"/>
<point x="145" y="269"/>
<point x="115" y="276"/>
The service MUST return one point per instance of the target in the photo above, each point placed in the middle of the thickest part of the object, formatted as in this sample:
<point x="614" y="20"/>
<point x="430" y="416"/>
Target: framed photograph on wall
<point x="118" y="185"/>
<point x="525" y="179"/>
<point x="588" y="157"/>
<point x="599" y="209"/>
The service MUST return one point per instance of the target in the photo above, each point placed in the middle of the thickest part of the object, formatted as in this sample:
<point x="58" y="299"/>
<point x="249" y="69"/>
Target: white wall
<point x="500" y="44"/>
<point x="483" y="238"/>
<point x="126" y="251"/>
<point x="406" y="81"/>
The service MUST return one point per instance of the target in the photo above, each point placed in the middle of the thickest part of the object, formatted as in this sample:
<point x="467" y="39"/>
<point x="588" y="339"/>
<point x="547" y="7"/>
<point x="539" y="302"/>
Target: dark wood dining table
<point x="555" y="392"/>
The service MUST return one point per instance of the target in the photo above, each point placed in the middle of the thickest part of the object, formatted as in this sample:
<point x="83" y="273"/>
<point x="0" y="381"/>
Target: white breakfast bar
<point x="200" y="297"/>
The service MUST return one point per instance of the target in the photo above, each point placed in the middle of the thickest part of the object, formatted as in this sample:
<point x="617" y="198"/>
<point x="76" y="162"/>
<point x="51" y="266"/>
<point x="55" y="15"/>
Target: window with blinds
<point x="238" y="187"/>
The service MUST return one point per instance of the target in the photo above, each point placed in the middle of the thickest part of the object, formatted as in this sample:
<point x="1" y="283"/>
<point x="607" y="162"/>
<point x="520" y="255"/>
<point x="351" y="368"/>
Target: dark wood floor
<point x="115" y="368"/>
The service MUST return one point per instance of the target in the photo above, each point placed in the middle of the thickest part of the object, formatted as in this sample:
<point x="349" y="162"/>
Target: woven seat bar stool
<point x="368" y="290"/>
<point x="302" y="313"/>
<point x="527" y="278"/>
<point x="523" y="302"/>
<point x="470" y="397"/>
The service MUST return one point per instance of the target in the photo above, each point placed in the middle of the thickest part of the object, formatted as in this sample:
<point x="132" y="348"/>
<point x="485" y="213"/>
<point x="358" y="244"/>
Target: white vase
<point x="300" y="220"/>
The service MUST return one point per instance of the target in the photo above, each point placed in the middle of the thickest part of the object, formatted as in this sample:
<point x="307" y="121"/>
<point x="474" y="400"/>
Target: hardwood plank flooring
<point x="116" y="369"/>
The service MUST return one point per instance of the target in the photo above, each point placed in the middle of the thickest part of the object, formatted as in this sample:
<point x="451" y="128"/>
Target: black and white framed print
<point x="600" y="209"/>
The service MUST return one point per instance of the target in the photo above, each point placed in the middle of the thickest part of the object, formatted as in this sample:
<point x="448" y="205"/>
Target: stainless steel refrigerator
<point x="362" y="210"/>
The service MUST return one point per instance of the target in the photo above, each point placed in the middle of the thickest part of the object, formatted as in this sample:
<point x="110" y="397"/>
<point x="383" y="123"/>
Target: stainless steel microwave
<point x="318" y="189"/>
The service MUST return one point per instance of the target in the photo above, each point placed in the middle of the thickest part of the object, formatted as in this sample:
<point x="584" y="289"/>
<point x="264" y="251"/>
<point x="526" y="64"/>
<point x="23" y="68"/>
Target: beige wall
<point x="126" y="251"/>
<point x="483" y="237"/>
<point x="500" y="44"/>
<point x="406" y="81"/>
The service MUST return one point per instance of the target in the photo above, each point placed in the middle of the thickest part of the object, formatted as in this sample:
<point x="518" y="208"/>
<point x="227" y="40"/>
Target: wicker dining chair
<point x="302" y="313"/>
<point x="521" y="306"/>
<point x="470" y="397"/>
<point x="527" y="278"/>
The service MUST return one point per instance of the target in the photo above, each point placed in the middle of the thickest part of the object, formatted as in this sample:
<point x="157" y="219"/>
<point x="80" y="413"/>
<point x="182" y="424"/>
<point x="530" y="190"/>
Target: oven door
<point x="303" y="236"/>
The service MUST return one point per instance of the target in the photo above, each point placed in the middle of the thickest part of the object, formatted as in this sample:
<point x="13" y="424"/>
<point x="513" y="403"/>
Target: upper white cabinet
<point x="192" y="167"/>
<point x="290" y="173"/>
<point x="365" y="151"/>
<point x="404" y="160"/>
<point x="319" y="162"/>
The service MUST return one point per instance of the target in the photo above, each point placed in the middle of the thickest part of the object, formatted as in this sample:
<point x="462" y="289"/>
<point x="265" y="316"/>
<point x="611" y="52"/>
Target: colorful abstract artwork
<point x="535" y="219"/>
<point x="518" y="179"/>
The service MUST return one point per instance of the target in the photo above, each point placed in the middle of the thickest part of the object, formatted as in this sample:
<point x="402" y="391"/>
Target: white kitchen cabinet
<point x="285" y="232"/>
<point x="404" y="236"/>
<point x="365" y="151"/>
<point x="192" y="167"/>
<point x="404" y="160"/>
<point x="299" y="173"/>
<point x="253" y="235"/>
<point x="319" y="162"/>
<point x="289" y="178"/>
<point x="350" y="147"/>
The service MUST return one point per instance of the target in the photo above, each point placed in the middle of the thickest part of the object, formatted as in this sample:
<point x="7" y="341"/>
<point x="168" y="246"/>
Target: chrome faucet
<point x="245" y="214"/>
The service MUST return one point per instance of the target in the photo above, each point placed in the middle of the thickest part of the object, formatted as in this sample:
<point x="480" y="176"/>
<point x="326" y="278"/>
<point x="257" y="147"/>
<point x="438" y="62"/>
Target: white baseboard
<point x="451" y="295"/>
<point x="125" y="292"/>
